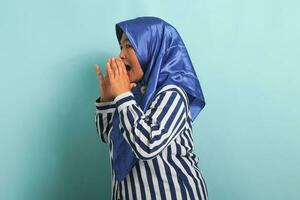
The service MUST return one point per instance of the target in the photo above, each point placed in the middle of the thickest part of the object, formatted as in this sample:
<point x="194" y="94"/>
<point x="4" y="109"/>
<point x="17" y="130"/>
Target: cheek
<point x="129" y="73"/>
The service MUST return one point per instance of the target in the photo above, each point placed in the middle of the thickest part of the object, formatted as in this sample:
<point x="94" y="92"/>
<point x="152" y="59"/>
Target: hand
<point x="118" y="78"/>
<point x="104" y="85"/>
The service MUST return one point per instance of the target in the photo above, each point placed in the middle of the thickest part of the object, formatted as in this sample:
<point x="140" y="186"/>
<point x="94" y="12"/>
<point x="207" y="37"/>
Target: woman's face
<point x="127" y="54"/>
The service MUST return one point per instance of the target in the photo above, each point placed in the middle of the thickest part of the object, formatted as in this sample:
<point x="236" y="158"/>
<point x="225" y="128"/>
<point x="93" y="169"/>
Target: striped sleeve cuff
<point x="123" y="100"/>
<point x="108" y="106"/>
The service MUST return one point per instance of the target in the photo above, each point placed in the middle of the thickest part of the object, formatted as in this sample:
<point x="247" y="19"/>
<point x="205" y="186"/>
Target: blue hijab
<point x="164" y="60"/>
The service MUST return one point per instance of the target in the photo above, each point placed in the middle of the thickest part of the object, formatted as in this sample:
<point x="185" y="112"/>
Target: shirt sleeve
<point x="103" y="118"/>
<point x="148" y="133"/>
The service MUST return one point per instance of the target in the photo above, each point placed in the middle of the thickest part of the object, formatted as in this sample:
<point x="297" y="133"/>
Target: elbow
<point x="145" y="157"/>
<point x="145" y="152"/>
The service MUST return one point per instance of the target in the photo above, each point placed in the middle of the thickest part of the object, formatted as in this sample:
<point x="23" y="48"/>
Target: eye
<point x="128" y="46"/>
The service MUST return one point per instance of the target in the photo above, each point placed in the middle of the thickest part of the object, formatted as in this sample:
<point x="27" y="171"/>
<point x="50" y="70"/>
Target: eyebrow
<point x="125" y="40"/>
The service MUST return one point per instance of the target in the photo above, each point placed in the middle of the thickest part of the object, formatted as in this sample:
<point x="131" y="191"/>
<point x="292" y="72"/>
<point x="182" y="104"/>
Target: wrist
<point x="106" y="99"/>
<point x="121" y="92"/>
<point x="125" y="99"/>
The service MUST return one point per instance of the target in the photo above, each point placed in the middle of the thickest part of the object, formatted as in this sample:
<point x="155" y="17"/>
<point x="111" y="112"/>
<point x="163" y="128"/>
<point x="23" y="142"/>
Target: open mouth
<point x="127" y="67"/>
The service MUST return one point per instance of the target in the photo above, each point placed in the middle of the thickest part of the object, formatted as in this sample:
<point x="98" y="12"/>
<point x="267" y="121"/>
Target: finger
<point x="107" y="66"/>
<point x="132" y="85"/>
<point x="124" y="71"/>
<point x="109" y="71"/>
<point x="120" y="65"/>
<point x="110" y="61"/>
<point x="115" y="67"/>
<point x="99" y="72"/>
<point x="123" y="67"/>
<point x="97" y="69"/>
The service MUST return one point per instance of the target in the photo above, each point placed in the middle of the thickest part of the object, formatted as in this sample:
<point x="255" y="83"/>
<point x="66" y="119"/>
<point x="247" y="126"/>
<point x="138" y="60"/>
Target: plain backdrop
<point x="246" y="55"/>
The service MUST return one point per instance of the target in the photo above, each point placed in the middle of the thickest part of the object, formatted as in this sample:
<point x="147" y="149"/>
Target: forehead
<point x="124" y="38"/>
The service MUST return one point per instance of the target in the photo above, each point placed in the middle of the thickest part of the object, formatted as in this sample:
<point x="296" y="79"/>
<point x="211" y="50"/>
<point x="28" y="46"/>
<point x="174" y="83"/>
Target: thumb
<point x="132" y="85"/>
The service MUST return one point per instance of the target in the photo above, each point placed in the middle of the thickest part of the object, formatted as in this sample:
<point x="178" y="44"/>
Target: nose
<point x="122" y="55"/>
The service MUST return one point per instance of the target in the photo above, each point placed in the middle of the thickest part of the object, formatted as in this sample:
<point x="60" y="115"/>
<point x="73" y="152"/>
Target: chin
<point x="132" y="80"/>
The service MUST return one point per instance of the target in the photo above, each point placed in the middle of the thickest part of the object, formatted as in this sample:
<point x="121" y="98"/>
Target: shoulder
<point x="175" y="89"/>
<point x="172" y="91"/>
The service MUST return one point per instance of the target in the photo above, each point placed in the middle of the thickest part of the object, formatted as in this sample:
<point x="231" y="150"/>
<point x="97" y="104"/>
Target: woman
<point x="149" y="98"/>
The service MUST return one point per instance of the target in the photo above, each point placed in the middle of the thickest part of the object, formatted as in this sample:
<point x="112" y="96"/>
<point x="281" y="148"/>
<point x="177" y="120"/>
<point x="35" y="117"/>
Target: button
<point x="147" y="118"/>
<point x="143" y="89"/>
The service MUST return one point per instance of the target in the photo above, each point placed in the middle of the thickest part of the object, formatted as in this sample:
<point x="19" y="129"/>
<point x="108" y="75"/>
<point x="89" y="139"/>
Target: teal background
<point x="246" y="54"/>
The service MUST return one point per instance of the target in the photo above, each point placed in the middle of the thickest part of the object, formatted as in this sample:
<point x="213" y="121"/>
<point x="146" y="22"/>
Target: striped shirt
<point x="161" y="138"/>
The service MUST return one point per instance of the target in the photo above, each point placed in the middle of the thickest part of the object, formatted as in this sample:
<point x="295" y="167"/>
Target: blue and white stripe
<point x="162" y="139"/>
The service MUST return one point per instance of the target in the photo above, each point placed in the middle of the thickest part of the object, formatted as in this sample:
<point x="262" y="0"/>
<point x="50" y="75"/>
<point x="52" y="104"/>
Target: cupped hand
<point x="118" y="77"/>
<point x="115" y="82"/>
<point x="104" y="85"/>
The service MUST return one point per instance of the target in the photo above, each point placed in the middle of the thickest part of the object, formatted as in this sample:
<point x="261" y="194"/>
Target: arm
<point x="148" y="133"/>
<point x="103" y="118"/>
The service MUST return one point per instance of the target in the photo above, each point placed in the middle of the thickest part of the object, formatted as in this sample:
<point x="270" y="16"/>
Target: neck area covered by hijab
<point x="164" y="60"/>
